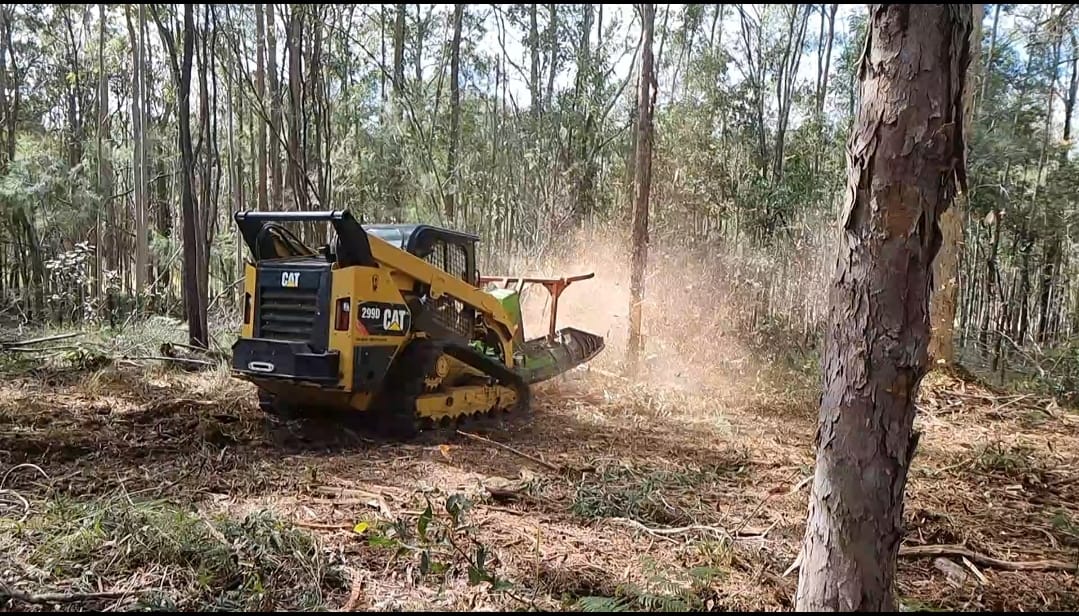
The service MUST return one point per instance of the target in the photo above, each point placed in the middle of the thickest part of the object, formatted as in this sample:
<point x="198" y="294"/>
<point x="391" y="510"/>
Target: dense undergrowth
<point x="168" y="557"/>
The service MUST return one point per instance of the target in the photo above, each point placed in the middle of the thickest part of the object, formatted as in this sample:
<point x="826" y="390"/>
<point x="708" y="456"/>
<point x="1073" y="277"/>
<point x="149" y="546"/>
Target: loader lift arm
<point x="441" y="283"/>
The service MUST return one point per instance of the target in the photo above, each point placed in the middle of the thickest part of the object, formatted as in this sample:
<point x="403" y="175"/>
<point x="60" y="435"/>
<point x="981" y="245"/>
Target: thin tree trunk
<point x="553" y="48"/>
<point x="455" y="109"/>
<point x="74" y="91"/>
<point x="146" y="138"/>
<point x="139" y="176"/>
<point x="905" y="159"/>
<point x="1051" y="263"/>
<point x="419" y="48"/>
<point x="399" y="51"/>
<point x="294" y="44"/>
<point x="534" y="49"/>
<point x="396" y="173"/>
<point x="989" y="55"/>
<point x="277" y="200"/>
<point x="260" y="86"/>
<point x="944" y="300"/>
<point x="164" y="228"/>
<point x="195" y="305"/>
<point x="205" y="147"/>
<point x="645" y="100"/>
<point x="1069" y="102"/>
<point x="991" y="279"/>
<point x="788" y="75"/>
<point x="104" y="166"/>
<point x="827" y="58"/>
<point x="6" y="116"/>
<point x="822" y="89"/>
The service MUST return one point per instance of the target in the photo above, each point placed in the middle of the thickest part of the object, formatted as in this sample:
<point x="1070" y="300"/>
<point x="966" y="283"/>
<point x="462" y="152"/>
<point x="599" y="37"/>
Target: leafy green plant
<point x="443" y="543"/>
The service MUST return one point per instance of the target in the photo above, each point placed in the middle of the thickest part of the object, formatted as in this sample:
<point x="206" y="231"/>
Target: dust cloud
<point x="695" y="311"/>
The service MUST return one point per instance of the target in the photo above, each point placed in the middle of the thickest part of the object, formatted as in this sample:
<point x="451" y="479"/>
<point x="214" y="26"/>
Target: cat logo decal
<point x="393" y="320"/>
<point x="290" y="279"/>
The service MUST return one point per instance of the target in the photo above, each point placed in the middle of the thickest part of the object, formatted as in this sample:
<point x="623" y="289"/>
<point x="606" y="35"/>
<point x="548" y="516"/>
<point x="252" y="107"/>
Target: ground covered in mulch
<point x="134" y="486"/>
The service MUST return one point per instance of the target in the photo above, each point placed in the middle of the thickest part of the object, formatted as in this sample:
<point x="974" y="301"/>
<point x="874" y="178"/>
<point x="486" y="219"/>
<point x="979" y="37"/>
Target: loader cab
<point x="453" y="252"/>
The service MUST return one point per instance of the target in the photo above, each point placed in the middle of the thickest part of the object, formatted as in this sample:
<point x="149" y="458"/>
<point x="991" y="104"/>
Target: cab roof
<point x="406" y="235"/>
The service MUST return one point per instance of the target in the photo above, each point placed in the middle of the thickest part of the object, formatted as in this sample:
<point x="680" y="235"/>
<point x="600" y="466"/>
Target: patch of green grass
<point x="1033" y="418"/>
<point x="1009" y="460"/>
<point x="909" y="604"/>
<point x="662" y="591"/>
<point x="651" y="496"/>
<point x="1065" y="524"/>
<point x="189" y="560"/>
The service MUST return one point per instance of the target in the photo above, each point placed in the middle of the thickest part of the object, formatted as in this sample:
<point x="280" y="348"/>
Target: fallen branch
<point x="977" y="574"/>
<point x="801" y="484"/>
<point x="918" y="551"/>
<point x="11" y="470"/>
<point x="503" y="495"/>
<point x="51" y="349"/>
<point x="178" y="359"/>
<point x="501" y="509"/>
<point x="23" y="501"/>
<point x="19" y="343"/>
<point x="354" y="596"/>
<point x="15" y="495"/>
<point x="669" y="532"/>
<point x="524" y="455"/>
<point x="985" y="561"/>
<point x="360" y="497"/>
<point x="321" y="526"/>
<point x="794" y="565"/>
<point x="57" y="597"/>
<point x="607" y="374"/>
<point x="181" y="360"/>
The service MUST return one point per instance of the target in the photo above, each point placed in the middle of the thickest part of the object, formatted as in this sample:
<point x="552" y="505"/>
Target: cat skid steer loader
<point x="389" y="324"/>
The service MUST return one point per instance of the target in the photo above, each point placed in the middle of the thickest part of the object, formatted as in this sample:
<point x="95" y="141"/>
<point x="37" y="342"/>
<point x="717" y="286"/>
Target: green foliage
<point x="214" y="562"/>
<point x="1014" y="460"/>
<point x="662" y="591"/>
<point x="1054" y="373"/>
<point x="443" y="544"/>
<point x="654" y="497"/>
<point x="1067" y="525"/>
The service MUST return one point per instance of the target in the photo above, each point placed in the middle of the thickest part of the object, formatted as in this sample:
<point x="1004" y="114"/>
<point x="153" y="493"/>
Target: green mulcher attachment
<point x="539" y="359"/>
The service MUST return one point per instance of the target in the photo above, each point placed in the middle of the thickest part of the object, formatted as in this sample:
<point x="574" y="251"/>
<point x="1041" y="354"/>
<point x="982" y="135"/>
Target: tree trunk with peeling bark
<point x="905" y="160"/>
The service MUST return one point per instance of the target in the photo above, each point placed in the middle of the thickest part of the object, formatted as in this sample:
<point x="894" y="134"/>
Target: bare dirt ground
<point x="156" y="487"/>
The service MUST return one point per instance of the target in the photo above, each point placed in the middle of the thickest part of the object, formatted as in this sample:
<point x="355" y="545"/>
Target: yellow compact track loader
<point x="389" y="324"/>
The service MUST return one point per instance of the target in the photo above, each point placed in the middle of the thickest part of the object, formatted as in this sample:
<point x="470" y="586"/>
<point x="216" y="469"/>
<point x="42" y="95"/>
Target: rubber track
<point x="396" y="414"/>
